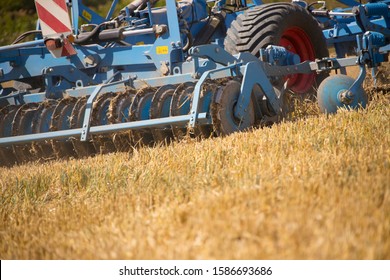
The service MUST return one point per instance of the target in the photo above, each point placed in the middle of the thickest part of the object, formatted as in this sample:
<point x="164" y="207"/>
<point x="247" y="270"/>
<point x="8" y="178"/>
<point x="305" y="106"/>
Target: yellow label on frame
<point x="162" y="50"/>
<point x="87" y="15"/>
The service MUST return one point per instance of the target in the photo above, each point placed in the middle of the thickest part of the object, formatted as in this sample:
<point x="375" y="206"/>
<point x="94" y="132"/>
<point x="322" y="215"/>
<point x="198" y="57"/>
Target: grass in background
<point x="314" y="188"/>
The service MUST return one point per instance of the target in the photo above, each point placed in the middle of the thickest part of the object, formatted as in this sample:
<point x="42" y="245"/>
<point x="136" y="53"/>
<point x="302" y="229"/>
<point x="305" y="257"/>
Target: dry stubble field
<point x="317" y="187"/>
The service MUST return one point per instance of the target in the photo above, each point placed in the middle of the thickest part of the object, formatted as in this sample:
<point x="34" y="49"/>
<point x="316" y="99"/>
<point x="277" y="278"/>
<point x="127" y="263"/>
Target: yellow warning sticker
<point x="87" y="15"/>
<point x="162" y="50"/>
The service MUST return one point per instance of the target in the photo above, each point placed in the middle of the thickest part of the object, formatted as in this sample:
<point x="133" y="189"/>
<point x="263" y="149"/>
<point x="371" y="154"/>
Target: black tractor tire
<point x="284" y="24"/>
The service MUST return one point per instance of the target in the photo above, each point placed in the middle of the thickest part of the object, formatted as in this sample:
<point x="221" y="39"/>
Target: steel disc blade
<point x="7" y="115"/>
<point x="41" y="123"/>
<point x="222" y="110"/>
<point x="119" y="112"/>
<point x="22" y="125"/>
<point x="181" y="105"/>
<point x="160" y="108"/>
<point x="331" y="91"/>
<point x="61" y="121"/>
<point x="100" y="115"/>
<point x="206" y="97"/>
<point x="140" y="110"/>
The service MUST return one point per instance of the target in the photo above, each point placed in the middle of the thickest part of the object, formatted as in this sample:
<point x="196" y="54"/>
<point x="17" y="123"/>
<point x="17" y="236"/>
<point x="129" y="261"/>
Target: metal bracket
<point x="89" y="106"/>
<point x="198" y="88"/>
<point x="214" y="53"/>
<point x="17" y="95"/>
<point x="254" y="74"/>
<point x="95" y="130"/>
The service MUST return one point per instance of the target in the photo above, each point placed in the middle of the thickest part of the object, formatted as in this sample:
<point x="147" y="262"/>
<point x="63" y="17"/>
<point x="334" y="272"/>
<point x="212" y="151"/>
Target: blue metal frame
<point x="347" y="23"/>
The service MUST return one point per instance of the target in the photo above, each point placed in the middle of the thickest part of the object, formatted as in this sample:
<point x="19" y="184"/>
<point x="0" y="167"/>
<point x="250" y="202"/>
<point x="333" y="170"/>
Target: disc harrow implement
<point x="149" y="76"/>
<point x="109" y="108"/>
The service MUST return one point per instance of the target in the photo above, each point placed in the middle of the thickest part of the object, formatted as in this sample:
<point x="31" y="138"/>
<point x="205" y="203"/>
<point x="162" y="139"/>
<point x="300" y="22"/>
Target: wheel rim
<point x="297" y="41"/>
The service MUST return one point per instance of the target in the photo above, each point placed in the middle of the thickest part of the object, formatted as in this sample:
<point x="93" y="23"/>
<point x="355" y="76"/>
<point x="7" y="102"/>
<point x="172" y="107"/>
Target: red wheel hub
<point x="297" y="41"/>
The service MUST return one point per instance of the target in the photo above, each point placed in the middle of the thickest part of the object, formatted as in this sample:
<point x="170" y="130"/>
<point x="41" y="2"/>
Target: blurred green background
<point x="18" y="16"/>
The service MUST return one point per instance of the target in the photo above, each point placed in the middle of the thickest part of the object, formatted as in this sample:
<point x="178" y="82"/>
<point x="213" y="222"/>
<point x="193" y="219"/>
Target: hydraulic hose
<point x="21" y="37"/>
<point x="189" y="42"/>
<point x="91" y="34"/>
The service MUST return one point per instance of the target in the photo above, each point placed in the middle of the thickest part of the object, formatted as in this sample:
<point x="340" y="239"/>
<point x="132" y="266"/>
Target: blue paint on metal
<point x="213" y="53"/>
<point x="112" y="9"/>
<point x="279" y="56"/>
<point x="118" y="86"/>
<point x="350" y="3"/>
<point x="66" y="113"/>
<point x="20" y="46"/>
<point x="104" y="117"/>
<point x="34" y="98"/>
<point x="338" y="91"/>
<point x="257" y="2"/>
<point x="46" y="121"/>
<point x="371" y="42"/>
<point x="199" y="84"/>
<point x="346" y="23"/>
<point x="185" y="106"/>
<point x="145" y="108"/>
<point x="7" y="129"/>
<point x="179" y="121"/>
<point x="166" y="107"/>
<point x="205" y="102"/>
<point x="255" y="75"/>
<point x="88" y="108"/>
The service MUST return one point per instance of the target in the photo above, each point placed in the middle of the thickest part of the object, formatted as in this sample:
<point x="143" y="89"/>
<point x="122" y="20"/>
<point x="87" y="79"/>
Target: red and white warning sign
<point x="56" y="27"/>
<point x="54" y="17"/>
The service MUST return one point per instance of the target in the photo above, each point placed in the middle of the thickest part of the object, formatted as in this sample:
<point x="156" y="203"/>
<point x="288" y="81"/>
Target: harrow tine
<point x="83" y="149"/>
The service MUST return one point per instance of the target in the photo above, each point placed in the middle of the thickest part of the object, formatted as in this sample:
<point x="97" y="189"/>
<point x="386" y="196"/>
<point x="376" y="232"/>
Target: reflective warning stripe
<point x="62" y="4"/>
<point x="47" y="29"/>
<point x="54" y="17"/>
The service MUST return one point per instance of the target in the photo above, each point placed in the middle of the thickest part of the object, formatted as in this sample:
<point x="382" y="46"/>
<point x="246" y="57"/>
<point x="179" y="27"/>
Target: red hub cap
<point x="297" y="41"/>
